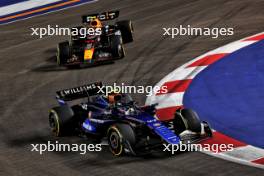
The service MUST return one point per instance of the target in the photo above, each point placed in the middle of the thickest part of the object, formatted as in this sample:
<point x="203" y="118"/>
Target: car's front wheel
<point x="186" y="119"/>
<point x="121" y="137"/>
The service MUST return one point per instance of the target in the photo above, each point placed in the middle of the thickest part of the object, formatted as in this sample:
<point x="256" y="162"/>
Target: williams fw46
<point x="95" y="41"/>
<point x="128" y="128"/>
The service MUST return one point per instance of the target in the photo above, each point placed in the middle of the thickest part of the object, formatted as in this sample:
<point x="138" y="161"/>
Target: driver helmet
<point x="96" y="23"/>
<point x="114" y="97"/>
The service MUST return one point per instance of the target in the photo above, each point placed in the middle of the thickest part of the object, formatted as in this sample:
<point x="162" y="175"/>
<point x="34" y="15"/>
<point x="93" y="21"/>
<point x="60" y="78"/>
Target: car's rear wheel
<point x="61" y="120"/>
<point x="186" y="119"/>
<point x="120" y="137"/>
<point x="63" y="52"/>
<point x="127" y="30"/>
<point x="117" y="48"/>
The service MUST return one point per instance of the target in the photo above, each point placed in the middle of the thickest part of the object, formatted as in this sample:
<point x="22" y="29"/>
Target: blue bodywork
<point x="101" y="109"/>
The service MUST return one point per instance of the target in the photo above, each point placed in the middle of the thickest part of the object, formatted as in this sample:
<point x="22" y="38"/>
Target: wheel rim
<point x="54" y="124"/>
<point x="120" y="50"/>
<point x="58" y="55"/>
<point x="131" y="27"/>
<point x="114" y="140"/>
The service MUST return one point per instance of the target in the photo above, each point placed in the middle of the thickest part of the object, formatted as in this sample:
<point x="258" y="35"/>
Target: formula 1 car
<point x="106" y="43"/>
<point x="129" y="128"/>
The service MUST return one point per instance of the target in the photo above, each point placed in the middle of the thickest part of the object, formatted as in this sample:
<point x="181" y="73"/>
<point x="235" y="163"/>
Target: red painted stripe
<point x="167" y="113"/>
<point x="259" y="161"/>
<point x="207" y="60"/>
<point x="176" y="86"/>
<point x="258" y="37"/>
<point x="219" y="138"/>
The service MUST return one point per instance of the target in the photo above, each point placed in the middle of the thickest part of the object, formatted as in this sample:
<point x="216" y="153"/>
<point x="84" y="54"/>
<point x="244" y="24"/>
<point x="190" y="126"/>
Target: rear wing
<point x="80" y="92"/>
<point x="110" y="15"/>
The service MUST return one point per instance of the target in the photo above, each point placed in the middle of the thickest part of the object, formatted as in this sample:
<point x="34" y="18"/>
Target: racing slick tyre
<point x="121" y="137"/>
<point x="186" y="119"/>
<point x="60" y="120"/>
<point x="127" y="30"/>
<point x="63" y="52"/>
<point x="117" y="48"/>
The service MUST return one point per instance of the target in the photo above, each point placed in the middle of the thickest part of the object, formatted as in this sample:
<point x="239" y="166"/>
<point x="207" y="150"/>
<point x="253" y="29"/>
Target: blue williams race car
<point x="129" y="128"/>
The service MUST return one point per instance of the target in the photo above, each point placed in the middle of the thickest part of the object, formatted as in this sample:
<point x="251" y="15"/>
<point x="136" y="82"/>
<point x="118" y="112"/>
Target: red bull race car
<point x="95" y="41"/>
<point x="128" y="128"/>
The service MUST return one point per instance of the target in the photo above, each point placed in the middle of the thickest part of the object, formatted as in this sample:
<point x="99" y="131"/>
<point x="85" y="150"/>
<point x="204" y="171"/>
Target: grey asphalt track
<point x="29" y="78"/>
